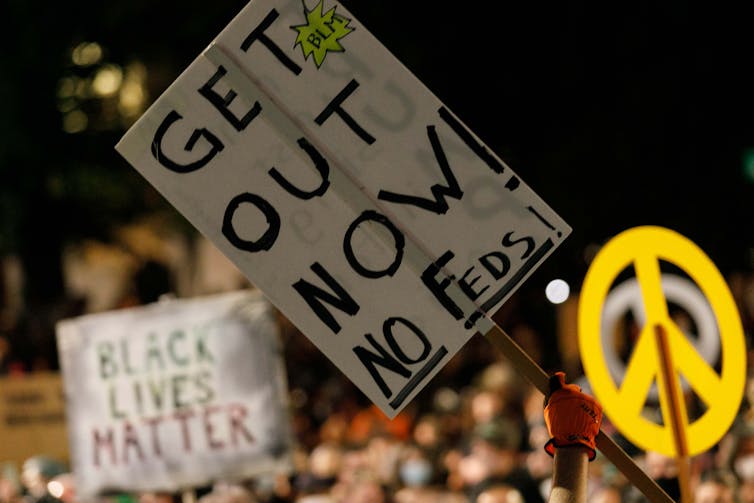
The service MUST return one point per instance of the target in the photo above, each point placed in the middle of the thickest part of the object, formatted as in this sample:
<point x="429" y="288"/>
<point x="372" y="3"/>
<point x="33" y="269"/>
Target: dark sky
<point x="617" y="114"/>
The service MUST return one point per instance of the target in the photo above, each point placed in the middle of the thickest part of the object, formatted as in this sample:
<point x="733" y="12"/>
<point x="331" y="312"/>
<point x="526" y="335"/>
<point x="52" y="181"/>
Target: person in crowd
<point x="10" y="484"/>
<point x="663" y="470"/>
<point x="63" y="487"/>
<point x="365" y="490"/>
<point x="500" y="493"/>
<point x="382" y="453"/>
<point x="155" y="497"/>
<point x="746" y="491"/>
<point x="494" y="457"/>
<point x="36" y="473"/>
<point x="427" y="435"/>
<point x="324" y="464"/>
<point x="371" y="421"/>
<point x="607" y="494"/>
<point x="741" y="457"/>
<point x="419" y="482"/>
<point x="716" y="486"/>
<point x="228" y="493"/>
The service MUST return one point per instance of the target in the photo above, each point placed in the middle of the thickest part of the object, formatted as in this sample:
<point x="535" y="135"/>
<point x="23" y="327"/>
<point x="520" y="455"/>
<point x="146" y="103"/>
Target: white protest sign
<point x="345" y="190"/>
<point x="175" y="395"/>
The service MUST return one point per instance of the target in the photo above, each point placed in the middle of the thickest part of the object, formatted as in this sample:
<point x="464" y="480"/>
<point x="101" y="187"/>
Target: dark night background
<point x="617" y="115"/>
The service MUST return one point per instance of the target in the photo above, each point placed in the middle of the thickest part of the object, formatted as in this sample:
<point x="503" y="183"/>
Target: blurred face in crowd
<point x="383" y="454"/>
<point x="354" y="463"/>
<point x="415" y="469"/>
<point x="746" y="492"/>
<point x="427" y="432"/>
<point x="8" y="490"/>
<point x="538" y="462"/>
<point x="325" y="460"/>
<point x="500" y="494"/>
<point x="151" y="497"/>
<point x="37" y="472"/>
<point x="228" y="493"/>
<point x="485" y="460"/>
<point x="607" y="495"/>
<point x="743" y="464"/>
<point x="334" y="429"/>
<point x="63" y="487"/>
<point x="713" y="492"/>
<point x="366" y="491"/>
<point x="485" y="406"/>
<point x="660" y="466"/>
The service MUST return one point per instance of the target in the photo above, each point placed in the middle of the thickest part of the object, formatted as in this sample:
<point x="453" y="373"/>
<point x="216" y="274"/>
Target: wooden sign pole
<point x="677" y="418"/>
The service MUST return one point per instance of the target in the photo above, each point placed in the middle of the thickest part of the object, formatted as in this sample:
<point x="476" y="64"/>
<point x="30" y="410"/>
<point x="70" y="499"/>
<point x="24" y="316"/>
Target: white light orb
<point x="557" y="291"/>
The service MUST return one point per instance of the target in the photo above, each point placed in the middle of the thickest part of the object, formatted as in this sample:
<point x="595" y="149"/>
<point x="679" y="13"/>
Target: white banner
<point x="175" y="394"/>
<point x="345" y="190"/>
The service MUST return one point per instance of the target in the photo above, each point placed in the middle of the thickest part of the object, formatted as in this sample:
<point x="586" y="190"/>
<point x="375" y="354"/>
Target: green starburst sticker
<point x="321" y="33"/>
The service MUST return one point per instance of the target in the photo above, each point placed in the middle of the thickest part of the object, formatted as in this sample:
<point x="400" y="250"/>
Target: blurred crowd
<point x="482" y="444"/>
<point x="475" y="434"/>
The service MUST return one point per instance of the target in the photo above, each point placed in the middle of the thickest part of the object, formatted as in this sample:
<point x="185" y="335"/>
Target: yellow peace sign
<point x="644" y="247"/>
